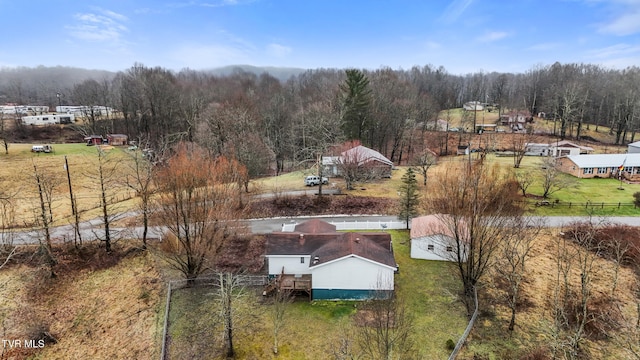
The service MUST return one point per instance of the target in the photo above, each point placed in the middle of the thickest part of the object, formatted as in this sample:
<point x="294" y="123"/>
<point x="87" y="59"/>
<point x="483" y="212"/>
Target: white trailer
<point x="48" y="119"/>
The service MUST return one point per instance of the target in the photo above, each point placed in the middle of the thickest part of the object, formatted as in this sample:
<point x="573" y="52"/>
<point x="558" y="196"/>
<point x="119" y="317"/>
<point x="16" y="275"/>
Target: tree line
<point x="259" y="117"/>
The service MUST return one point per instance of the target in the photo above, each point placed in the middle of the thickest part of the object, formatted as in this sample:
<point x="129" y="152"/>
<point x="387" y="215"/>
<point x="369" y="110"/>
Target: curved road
<point x="90" y="230"/>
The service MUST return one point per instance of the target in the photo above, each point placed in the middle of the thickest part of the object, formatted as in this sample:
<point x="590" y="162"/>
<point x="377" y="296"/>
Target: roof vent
<point x="316" y="260"/>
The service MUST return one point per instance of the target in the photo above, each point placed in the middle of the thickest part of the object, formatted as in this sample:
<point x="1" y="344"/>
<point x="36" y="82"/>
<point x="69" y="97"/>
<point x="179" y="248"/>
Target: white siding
<point x="352" y="273"/>
<point x="420" y="248"/>
<point x="291" y="263"/>
<point x="634" y="148"/>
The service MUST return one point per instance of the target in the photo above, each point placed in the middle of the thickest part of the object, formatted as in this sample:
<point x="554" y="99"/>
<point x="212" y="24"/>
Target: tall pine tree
<point x="409" y="197"/>
<point x="356" y="98"/>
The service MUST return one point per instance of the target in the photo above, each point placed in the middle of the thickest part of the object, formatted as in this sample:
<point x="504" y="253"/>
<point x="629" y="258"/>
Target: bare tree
<point x="552" y="178"/>
<point x="576" y="252"/>
<point x="385" y="331"/>
<point x="519" y="144"/>
<point x="197" y="205"/>
<point x="5" y="133"/>
<point x="106" y="174"/>
<point x="140" y="179"/>
<point x="281" y="301"/>
<point x="478" y="208"/>
<point x="423" y="162"/>
<point x="46" y="183"/>
<point x="524" y="180"/>
<point x="511" y="263"/>
<point x="235" y="311"/>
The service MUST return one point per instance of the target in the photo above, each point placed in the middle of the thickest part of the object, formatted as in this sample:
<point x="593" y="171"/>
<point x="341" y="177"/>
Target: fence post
<point x="463" y="339"/>
<point x="618" y="205"/>
<point x="163" y="353"/>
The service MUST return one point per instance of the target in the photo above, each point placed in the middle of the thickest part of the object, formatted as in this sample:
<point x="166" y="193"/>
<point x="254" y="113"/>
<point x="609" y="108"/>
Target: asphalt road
<point x="91" y="230"/>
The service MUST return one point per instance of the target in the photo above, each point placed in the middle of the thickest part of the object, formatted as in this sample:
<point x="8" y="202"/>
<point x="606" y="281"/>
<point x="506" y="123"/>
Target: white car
<point x="315" y="180"/>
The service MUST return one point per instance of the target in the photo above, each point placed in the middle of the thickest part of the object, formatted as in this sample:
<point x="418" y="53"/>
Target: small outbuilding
<point x="433" y="238"/>
<point x="117" y="139"/>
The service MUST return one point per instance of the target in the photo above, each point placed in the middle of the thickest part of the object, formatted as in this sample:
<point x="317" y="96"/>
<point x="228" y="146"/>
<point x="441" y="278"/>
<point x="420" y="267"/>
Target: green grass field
<point x="313" y="329"/>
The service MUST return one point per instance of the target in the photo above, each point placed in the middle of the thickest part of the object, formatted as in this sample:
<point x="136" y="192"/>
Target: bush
<point x="636" y="199"/>
<point x="450" y="345"/>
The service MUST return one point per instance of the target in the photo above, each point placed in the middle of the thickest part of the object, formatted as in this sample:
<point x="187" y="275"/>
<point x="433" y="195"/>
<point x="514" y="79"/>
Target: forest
<point x="260" y="119"/>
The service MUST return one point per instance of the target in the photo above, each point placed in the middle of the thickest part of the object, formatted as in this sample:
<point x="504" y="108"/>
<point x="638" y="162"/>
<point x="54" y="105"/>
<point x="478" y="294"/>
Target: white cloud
<point x="544" y="46"/>
<point x="102" y="26"/>
<point x="279" y="51"/>
<point x="625" y="24"/>
<point x="614" y="51"/>
<point x="492" y="36"/>
<point x="455" y="9"/>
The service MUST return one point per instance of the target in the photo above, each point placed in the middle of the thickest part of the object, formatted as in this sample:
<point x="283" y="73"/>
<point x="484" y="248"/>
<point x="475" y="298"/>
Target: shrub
<point x="636" y="199"/>
<point x="450" y="345"/>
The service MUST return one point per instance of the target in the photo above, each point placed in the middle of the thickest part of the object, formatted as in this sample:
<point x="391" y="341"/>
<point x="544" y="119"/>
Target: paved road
<point x="91" y="230"/>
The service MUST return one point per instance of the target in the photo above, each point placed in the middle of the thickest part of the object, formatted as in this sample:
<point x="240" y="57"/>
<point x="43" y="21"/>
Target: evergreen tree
<point x="355" y="105"/>
<point x="409" y="197"/>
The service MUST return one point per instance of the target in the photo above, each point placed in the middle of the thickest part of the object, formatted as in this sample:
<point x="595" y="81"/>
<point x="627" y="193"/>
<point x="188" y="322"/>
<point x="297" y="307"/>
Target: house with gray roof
<point x="601" y="165"/>
<point x="330" y="265"/>
<point x="362" y="156"/>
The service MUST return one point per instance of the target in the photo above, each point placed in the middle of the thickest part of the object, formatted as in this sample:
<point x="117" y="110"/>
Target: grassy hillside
<point x="102" y="307"/>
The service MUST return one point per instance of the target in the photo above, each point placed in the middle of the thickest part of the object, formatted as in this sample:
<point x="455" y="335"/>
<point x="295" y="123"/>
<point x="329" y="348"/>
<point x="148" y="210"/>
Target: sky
<point x="463" y="36"/>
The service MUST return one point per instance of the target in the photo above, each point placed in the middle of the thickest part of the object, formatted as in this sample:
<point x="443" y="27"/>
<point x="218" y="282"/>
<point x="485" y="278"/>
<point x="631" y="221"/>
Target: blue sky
<point x="461" y="35"/>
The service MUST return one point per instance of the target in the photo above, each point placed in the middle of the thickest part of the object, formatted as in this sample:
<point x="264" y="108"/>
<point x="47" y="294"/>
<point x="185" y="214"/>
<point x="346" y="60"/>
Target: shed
<point x="94" y="140"/>
<point x="463" y="150"/>
<point x="117" y="139"/>
<point x="433" y="238"/>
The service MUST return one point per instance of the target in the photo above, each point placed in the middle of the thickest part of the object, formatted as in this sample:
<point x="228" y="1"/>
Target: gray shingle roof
<point x="605" y="160"/>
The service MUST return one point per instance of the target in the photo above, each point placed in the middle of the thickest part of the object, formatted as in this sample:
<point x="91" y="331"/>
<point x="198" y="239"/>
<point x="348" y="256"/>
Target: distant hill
<point x="280" y="73"/>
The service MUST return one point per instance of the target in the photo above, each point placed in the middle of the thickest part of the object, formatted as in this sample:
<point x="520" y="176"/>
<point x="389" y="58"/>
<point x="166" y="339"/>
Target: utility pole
<point x="74" y="211"/>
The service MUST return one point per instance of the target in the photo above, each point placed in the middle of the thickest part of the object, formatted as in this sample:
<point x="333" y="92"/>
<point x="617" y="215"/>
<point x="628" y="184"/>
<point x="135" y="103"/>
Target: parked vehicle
<point x="315" y="180"/>
<point x="42" y="148"/>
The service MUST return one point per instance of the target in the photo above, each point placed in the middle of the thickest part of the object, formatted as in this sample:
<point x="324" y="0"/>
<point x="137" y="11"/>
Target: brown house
<point x="117" y="139"/>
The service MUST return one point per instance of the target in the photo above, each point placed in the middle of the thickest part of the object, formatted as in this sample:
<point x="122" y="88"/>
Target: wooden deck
<point x="297" y="284"/>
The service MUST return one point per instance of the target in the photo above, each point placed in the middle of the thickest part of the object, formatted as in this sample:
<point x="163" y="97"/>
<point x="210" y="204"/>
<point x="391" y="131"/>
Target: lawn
<point x="313" y="330"/>
<point x="602" y="195"/>
<point x="17" y="173"/>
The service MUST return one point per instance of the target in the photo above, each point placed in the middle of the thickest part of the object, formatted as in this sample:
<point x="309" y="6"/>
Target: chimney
<point x="301" y="239"/>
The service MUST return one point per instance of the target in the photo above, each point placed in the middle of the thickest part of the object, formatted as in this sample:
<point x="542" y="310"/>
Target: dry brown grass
<point x="112" y="313"/>
<point x="491" y="336"/>
<point x="17" y="170"/>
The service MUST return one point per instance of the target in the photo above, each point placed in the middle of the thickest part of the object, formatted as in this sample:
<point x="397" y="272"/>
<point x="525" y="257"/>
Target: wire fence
<point x="586" y="205"/>
<point x="244" y="280"/>
<point x="464" y="336"/>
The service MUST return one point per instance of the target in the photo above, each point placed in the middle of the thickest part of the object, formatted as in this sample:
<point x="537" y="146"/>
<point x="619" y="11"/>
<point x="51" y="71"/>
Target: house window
<point x="636" y="170"/>
<point x="430" y="247"/>
<point x="587" y="170"/>
<point x="449" y="248"/>
<point x="301" y="259"/>
<point x="602" y="170"/>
